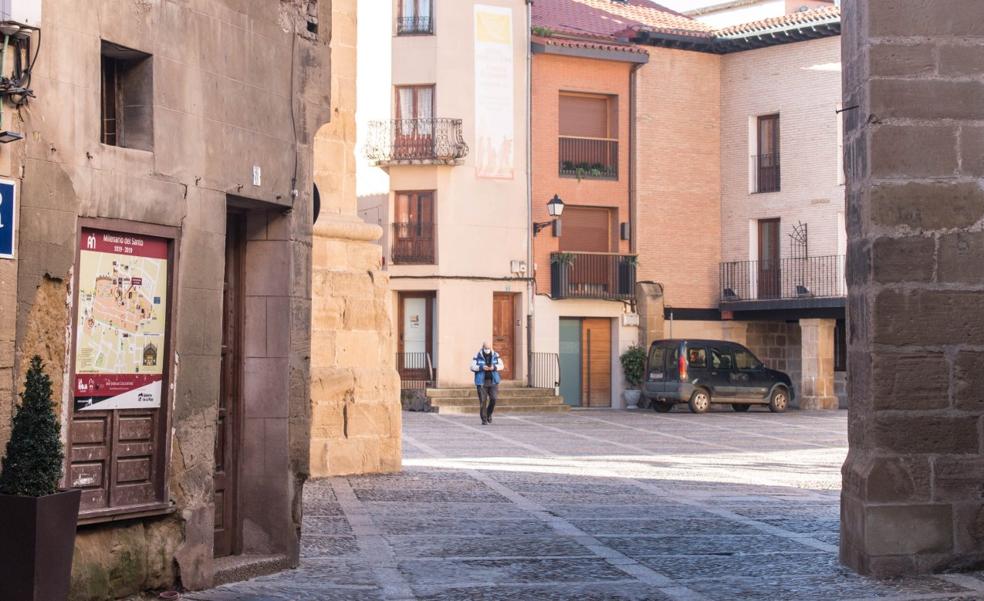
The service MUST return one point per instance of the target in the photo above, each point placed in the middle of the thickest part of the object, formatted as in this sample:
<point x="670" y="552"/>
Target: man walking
<point x="487" y="364"/>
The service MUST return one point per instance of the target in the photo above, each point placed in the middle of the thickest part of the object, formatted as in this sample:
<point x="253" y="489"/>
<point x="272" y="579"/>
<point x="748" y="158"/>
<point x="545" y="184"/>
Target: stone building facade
<point x="911" y="499"/>
<point x="181" y="135"/>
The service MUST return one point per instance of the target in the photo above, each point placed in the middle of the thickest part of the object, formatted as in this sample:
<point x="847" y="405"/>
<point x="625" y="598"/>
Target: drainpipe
<point x="530" y="284"/>
<point x="633" y="188"/>
<point x="3" y="64"/>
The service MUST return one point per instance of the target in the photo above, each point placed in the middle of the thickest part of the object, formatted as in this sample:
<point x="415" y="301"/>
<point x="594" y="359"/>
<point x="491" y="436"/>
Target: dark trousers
<point x="487" y="395"/>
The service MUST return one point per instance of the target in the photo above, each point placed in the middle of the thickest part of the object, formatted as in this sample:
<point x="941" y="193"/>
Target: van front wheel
<point x="779" y="400"/>
<point x="700" y="401"/>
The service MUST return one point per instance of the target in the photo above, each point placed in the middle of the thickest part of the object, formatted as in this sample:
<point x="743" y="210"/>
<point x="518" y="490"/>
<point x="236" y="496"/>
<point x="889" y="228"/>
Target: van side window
<point x="673" y="363"/>
<point x="697" y="358"/>
<point x="657" y="355"/>
<point x="746" y="360"/>
<point x="721" y="359"/>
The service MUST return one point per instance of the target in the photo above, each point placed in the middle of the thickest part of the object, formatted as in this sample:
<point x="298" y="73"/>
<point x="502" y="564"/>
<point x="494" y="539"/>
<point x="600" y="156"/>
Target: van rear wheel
<point x="662" y="406"/>
<point x="779" y="400"/>
<point x="740" y="407"/>
<point x="700" y="401"/>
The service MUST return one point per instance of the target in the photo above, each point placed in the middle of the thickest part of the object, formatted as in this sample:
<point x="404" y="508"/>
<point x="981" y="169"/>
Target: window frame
<point x="401" y="30"/>
<point x="162" y="505"/>
<point x="774" y="143"/>
<point x="417" y="194"/>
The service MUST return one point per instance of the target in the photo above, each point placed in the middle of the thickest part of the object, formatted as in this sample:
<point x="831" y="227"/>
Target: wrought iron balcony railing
<point x="603" y="276"/>
<point x="588" y="158"/>
<point x="413" y="244"/>
<point x="767" y="172"/>
<point x="414" y="25"/>
<point x="416" y="370"/>
<point x="785" y="279"/>
<point x="545" y="370"/>
<point x="416" y="141"/>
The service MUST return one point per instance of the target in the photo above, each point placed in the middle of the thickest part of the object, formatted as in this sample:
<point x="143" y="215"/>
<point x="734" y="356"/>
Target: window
<point x="767" y="154"/>
<point x="588" y="146"/>
<point x="413" y="228"/>
<point x="415" y="17"/>
<point x="587" y="229"/>
<point x="126" y="98"/>
<point x="746" y="360"/>
<point x="697" y="358"/>
<point x="657" y="356"/>
<point x="721" y="359"/>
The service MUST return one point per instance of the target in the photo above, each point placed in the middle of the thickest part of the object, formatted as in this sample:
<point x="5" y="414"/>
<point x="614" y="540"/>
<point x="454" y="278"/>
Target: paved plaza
<point x="591" y="505"/>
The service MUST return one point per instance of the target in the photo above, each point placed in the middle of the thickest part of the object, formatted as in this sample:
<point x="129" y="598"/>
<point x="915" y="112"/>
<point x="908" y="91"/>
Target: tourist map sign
<point x="121" y="321"/>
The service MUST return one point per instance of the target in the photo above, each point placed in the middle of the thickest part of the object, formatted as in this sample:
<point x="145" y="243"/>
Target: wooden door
<point x="230" y="392"/>
<point x="414" y="135"/>
<point x="415" y="342"/>
<point x="504" y="331"/>
<point x="413" y="235"/>
<point x="769" y="276"/>
<point x="596" y="366"/>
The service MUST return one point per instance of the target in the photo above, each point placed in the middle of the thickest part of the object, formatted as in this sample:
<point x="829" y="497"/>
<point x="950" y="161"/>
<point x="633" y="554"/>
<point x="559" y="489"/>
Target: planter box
<point x="37" y="545"/>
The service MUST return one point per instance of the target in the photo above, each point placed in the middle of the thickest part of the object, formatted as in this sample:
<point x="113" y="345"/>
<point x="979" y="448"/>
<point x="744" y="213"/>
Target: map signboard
<point x="121" y="321"/>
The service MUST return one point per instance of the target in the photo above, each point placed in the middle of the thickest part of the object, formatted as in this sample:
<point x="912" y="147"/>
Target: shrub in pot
<point x="633" y="362"/>
<point x="37" y="520"/>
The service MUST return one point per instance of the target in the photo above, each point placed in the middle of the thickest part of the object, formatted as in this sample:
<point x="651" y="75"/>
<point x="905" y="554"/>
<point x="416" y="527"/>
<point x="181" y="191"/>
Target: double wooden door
<point x="504" y="331"/>
<point x="586" y="361"/>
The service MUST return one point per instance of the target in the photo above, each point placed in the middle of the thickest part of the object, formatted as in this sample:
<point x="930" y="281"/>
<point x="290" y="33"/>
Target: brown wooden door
<point x="230" y="393"/>
<point x="504" y="331"/>
<point x="769" y="276"/>
<point x="596" y="364"/>
<point x="414" y="135"/>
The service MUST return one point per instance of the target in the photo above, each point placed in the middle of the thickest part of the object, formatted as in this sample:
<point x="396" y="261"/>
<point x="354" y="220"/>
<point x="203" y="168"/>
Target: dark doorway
<point x="228" y="422"/>
<point x="769" y="273"/>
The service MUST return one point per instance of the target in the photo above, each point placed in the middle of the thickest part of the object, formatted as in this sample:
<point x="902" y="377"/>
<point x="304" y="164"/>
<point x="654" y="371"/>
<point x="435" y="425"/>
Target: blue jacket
<point x="479" y="361"/>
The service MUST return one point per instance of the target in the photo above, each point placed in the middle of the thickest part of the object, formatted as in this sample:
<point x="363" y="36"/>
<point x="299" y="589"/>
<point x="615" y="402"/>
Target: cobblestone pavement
<point x="591" y="505"/>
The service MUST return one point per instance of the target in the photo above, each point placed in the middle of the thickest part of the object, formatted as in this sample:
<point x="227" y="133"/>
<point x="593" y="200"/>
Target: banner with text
<point x="121" y="320"/>
<point x="494" y="92"/>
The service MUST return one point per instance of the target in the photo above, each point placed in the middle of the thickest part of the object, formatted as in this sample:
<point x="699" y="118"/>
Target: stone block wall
<point x="355" y="390"/>
<point x="778" y="345"/>
<point x="911" y="499"/>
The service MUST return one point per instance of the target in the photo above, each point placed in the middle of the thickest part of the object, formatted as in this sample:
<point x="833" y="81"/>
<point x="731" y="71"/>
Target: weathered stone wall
<point x="911" y="499"/>
<point x="355" y="390"/>
<point x="236" y="84"/>
<point x="778" y="344"/>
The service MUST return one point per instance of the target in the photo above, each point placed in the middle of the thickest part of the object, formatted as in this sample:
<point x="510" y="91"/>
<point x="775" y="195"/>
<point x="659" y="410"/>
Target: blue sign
<point x="7" y="213"/>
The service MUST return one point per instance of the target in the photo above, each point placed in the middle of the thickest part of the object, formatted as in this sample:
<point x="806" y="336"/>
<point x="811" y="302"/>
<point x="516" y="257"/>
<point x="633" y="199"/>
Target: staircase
<point x="513" y="398"/>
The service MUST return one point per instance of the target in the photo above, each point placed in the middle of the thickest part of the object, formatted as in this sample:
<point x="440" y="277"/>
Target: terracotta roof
<point x="791" y="21"/>
<point x="612" y="24"/>
<point x="612" y="18"/>
<point x="589" y="44"/>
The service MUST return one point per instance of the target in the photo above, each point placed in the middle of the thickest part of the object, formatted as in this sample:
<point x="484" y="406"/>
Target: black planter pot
<point x="36" y="545"/>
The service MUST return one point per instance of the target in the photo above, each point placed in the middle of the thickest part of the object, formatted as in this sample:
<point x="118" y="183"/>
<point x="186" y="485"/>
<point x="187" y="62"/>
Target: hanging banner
<point x="494" y="92"/>
<point x="121" y="320"/>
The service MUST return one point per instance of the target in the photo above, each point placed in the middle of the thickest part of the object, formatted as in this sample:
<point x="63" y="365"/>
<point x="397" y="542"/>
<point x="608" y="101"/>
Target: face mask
<point x="487" y="351"/>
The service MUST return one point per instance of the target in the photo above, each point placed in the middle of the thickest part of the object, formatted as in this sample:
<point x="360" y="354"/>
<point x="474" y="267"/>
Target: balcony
<point x="413" y="244"/>
<point x="767" y="172"/>
<point x="416" y="142"/>
<point x="602" y="276"/>
<point x="786" y="283"/>
<point x="588" y="158"/>
<point x="418" y="25"/>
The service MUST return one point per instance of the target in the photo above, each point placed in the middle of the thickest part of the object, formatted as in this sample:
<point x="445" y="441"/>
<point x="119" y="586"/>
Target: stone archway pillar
<point x="911" y="499"/>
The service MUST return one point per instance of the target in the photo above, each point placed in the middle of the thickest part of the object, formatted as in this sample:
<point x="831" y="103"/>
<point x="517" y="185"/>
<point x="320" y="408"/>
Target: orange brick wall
<point x="551" y="75"/>
<point x="678" y="223"/>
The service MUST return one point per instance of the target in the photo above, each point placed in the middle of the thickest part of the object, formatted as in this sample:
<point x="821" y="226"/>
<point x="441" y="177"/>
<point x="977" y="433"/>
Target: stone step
<point x="504" y="392"/>
<point x="503" y="409"/>
<point x="500" y="402"/>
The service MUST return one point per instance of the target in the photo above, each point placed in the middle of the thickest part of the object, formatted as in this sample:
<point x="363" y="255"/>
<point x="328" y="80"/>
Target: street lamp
<point x="555" y="208"/>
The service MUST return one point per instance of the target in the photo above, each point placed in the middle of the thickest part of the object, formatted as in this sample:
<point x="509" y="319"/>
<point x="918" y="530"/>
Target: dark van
<point x="701" y="372"/>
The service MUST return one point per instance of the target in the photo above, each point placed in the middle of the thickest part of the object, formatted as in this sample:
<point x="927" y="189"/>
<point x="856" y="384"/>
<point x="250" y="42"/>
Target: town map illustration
<point x="121" y="317"/>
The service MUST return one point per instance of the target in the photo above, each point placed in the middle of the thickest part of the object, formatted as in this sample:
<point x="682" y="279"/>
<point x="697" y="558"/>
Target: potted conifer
<point x="37" y="520"/>
<point x="633" y="365"/>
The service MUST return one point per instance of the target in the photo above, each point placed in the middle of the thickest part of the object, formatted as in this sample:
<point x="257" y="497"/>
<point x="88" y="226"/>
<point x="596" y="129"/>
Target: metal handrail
<point x="542" y="376"/>
<point x="416" y="140"/>
<point x="789" y="278"/>
<point x="606" y="276"/>
<point x="411" y="366"/>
